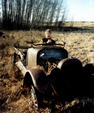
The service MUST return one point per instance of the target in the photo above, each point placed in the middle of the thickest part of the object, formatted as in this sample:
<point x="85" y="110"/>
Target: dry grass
<point x="79" y="44"/>
<point x="80" y="24"/>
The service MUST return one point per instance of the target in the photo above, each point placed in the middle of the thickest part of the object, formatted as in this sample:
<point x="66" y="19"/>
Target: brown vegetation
<point x="13" y="99"/>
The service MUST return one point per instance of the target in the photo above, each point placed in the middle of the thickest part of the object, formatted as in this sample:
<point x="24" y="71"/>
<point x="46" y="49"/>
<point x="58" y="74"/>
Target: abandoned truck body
<point x="42" y="54"/>
<point x="67" y="77"/>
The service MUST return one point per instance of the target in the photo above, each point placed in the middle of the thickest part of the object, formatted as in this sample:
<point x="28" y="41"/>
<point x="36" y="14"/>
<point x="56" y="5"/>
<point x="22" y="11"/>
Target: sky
<point x="80" y="10"/>
<point x="77" y="10"/>
<point x="0" y="8"/>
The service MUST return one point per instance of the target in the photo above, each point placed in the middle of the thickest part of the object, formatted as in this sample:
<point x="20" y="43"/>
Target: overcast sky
<point x="80" y="10"/>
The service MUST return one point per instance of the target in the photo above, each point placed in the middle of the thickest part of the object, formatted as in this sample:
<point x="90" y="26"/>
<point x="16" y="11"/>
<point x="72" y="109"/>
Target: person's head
<point x="48" y="33"/>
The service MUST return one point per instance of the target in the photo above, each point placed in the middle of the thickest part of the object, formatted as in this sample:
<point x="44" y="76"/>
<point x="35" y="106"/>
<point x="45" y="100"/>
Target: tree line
<point x="23" y="14"/>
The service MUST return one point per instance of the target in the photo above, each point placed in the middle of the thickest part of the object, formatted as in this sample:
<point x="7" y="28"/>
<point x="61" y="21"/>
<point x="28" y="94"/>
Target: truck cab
<point x="40" y="55"/>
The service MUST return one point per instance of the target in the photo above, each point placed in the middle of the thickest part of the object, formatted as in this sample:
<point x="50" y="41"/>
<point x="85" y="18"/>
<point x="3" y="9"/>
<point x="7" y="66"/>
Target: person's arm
<point x="51" y="42"/>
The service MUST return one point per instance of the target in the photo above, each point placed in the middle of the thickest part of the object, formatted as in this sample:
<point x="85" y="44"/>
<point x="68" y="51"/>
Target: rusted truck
<point x="41" y="57"/>
<point x="50" y="71"/>
<point x="40" y="60"/>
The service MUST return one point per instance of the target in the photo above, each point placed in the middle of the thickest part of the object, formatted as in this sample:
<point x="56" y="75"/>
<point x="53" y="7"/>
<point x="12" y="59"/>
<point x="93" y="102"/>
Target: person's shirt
<point x="48" y="41"/>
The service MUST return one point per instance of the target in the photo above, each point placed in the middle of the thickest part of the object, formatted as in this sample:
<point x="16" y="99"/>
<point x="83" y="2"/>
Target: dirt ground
<point x="79" y="44"/>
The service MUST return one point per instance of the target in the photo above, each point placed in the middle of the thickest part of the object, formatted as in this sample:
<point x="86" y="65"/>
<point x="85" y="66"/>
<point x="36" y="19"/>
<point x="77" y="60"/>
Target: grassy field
<point x="79" y="44"/>
<point x="80" y="24"/>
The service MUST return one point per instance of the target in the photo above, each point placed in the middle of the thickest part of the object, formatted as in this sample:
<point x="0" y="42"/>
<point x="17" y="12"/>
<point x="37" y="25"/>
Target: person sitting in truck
<point x="48" y="39"/>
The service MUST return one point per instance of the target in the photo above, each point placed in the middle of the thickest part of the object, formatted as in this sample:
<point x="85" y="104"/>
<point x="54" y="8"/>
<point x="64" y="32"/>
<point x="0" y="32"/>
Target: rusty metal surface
<point x="32" y="54"/>
<point x="31" y="60"/>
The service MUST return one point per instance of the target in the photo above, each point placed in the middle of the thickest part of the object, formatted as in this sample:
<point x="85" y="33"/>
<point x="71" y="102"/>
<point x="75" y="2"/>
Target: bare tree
<point x="58" y="12"/>
<point x="23" y="13"/>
